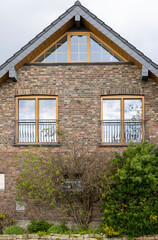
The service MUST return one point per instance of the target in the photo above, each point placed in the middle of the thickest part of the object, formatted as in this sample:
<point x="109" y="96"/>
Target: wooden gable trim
<point x="110" y="43"/>
<point x="36" y="52"/>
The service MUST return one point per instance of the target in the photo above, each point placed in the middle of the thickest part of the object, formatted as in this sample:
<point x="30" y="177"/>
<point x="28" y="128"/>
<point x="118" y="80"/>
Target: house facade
<point x="80" y="76"/>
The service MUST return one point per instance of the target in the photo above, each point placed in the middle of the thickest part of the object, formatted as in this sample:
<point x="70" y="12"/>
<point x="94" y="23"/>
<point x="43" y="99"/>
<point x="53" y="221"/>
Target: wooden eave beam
<point x="145" y="73"/>
<point x="44" y="45"/>
<point x="13" y="74"/>
<point x="78" y="21"/>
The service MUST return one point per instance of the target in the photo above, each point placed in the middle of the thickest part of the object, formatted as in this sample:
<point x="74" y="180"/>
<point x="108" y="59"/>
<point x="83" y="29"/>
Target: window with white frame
<point x="2" y="181"/>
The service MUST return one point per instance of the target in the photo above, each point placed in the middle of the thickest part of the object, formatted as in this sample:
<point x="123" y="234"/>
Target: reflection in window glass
<point x="111" y="121"/>
<point x="100" y="53"/>
<point x="47" y="120"/>
<point x="57" y="53"/>
<point x="26" y="122"/>
<point x="133" y="109"/>
<point x="133" y="120"/>
<point x="79" y="48"/>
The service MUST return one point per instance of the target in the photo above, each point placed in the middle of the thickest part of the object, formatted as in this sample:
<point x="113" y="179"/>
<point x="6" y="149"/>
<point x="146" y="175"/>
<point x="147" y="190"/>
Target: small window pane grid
<point x="28" y="129"/>
<point x="78" y="47"/>
<point x="20" y="206"/>
<point x="57" y="53"/>
<point x="100" y="53"/>
<point x="2" y="181"/>
<point x="130" y="125"/>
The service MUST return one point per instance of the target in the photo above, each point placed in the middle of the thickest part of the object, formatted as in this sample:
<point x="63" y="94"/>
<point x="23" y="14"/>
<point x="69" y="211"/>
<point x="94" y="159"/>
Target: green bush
<point x="60" y="229"/>
<point x="13" y="230"/>
<point x="131" y="193"/>
<point x="5" y="221"/>
<point x="41" y="233"/>
<point x="38" y="226"/>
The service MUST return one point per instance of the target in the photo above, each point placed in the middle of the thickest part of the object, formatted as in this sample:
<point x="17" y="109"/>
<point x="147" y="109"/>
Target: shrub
<point x="62" y="228"/>
<point x="71" y="179"/>
<point x="41" y="233"/>
<point x="130" y="193"/>
<point x="38" y="226"/>
<point x="5" y="221"/>
<point x="13" y="230"/>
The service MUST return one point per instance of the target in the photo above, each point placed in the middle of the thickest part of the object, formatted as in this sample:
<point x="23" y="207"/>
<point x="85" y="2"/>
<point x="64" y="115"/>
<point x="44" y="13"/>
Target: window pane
<point x="133" y="120"/>
<point x="83" y="48"/>
<point x="26" y="122"/>
<point x="47" y="109"/>
<point x="82" y="56"/>
<point x="133" y="109"/>
<point x="111" y="121"/>
<point x="74" y="57"/>
<point x="52" y="55"/>
<point x="104" y="53"/>
<point x="79" y="48"/>
<point x="111" y="109"/>
<point x="74" y="48"/>
<point x="47" y="120"/>
<point x="26" y="109"/>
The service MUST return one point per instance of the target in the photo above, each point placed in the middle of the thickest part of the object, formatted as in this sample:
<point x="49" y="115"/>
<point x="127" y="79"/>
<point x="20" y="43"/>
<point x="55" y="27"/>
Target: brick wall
<point x="79" y="90"/>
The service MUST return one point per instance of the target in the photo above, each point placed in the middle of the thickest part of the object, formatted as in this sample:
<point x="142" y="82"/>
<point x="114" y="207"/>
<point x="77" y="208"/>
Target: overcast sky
<point x="22" y="20"/>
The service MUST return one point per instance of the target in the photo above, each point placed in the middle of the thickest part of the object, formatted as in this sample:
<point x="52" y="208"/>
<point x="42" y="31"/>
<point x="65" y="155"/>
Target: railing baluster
<point x="112" y="130"/>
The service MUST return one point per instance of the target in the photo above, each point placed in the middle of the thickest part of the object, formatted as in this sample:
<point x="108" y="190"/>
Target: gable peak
<point x="77" y="3"/>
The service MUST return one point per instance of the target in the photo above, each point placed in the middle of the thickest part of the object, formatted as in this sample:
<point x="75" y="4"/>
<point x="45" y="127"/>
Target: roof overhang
<point x="74" y="15"/>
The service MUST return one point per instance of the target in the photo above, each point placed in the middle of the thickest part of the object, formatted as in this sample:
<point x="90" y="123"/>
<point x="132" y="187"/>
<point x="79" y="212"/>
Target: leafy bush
<point x="62" y="228"/>
<point x="71" y="178"/>
<point x="38" y="226"/>
<point x="5" y="221"/>
<point x="13" y="230"/>
<point x="131" y="193"/>
<point x="41" y="233"/>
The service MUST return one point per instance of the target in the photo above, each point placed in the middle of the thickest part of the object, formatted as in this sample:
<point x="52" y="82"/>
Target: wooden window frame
<point x="36" y="98"/>
<point x="69" y="34"/>
<point x="121" y="98"/>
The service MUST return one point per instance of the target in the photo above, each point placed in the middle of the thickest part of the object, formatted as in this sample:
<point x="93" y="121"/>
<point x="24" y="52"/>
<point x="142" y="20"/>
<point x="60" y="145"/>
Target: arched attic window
<point x="79" y="47"/>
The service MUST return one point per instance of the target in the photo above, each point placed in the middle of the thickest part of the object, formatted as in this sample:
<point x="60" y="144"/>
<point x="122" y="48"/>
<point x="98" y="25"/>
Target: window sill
<point x="116" y="145"/>
<point x="36" y="145"/>
<point x="113" y="145"/>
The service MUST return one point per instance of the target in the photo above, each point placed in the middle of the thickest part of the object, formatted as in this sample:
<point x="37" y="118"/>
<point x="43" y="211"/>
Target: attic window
<point x="100" y="53"/>
<point x="79" y="47"/>
<point x="57" y="53"/>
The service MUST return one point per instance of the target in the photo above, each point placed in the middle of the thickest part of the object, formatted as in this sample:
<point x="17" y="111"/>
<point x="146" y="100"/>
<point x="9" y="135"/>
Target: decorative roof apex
<point x="77" y="3"/>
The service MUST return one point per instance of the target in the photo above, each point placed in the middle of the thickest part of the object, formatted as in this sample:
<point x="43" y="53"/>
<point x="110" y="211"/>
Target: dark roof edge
<point x="78" y="63"/>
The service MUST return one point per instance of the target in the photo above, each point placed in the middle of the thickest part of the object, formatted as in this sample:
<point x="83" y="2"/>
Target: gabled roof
<point x="76" y="11"/>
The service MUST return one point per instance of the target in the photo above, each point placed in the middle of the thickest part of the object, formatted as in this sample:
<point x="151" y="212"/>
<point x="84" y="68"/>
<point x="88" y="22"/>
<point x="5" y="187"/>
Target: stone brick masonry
<point x="79" y="89"/>
<point x="71" y="237"/>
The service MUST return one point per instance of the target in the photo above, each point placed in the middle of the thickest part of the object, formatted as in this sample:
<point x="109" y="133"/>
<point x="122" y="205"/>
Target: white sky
<point x="22" y="20"/>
